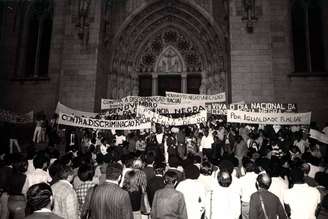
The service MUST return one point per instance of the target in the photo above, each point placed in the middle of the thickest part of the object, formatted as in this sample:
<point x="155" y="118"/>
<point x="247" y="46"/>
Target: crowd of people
<point x="204" y="171"/>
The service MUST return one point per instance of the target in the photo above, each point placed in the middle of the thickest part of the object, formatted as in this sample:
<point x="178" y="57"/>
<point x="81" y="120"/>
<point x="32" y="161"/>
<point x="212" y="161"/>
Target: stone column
<point x="184" y="82"/>
<point x="154" y="84"/>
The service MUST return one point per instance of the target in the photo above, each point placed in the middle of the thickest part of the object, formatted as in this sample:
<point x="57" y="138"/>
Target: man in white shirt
<point x="301" y="200"/>
<point x="206" y="143"/>
<point x="38" y="175"/>
<point x="193" y="192"/>
<point x="278" y="185"/>
<point x="119" y="138"/>
<point x="248" y="186"/>
<point x="225" y="201"/>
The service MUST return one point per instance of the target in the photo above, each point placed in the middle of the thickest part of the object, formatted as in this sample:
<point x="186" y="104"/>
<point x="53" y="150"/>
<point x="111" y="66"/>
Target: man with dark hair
<point x="39" y="174"/>
<point x="225" y="201"/>
<point x="66" y="204"/>
<point x="264" y="204"/>
<point x="156" y="182"/>
<point x="301" y="200"/>
<point x="149" y="168"/>
<point x="85" y="174"/>
<point x="193" y="191"/>
<point x="40" y="201"/>
<point x="109" y="200"/>
<point x="278" y="185"/>
<point x="169" y="203"/>
<point x="247" y="184"/>
<point x="307" y="179"/>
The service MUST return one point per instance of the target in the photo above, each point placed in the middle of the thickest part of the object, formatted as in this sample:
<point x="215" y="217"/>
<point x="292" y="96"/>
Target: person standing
<point x="168" y="202"/>
<point x="225" y="200"/>
<point x="193" y="191"/>
<point x="66" y="203"/>
<point x="247" y="185"/>
<point x="109" y="200"/>
<point x="264" y="204"/>
<point x="301" y="200"/>
<point x="40" y="201"/>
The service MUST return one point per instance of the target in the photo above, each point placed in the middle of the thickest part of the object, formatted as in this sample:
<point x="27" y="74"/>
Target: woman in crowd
<point x="132" y="186"/>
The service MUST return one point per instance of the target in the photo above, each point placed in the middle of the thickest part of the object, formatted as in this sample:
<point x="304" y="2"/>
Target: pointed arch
<point x="170" y="60"/>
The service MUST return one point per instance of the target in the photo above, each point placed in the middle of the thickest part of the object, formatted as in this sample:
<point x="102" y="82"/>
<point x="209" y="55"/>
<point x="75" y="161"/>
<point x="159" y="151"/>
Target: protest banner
<point x="67" y="110"/>
<point x="180" y="108"/>
<point x="10" y="117"/>
<point x="157" y="99"/>
<point x="319" y="136"/>
<point x="83" y="122"/>
<point x="237" y="116"/>
<point x="221" y="108"/>
<point x="109" y="103"/>
<point x="220" y="97"/>
<point x="167" y="121"/>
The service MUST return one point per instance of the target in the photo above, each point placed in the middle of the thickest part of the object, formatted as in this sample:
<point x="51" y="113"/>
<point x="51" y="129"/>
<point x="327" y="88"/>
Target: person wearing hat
<point x="40" y="202"/>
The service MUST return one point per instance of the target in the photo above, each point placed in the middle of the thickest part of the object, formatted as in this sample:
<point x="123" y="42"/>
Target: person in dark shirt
<point x="156" y="182"/>
<point x="130" y="184"/>
<point x="16" y="189"/>
<point x="264" y="204"/>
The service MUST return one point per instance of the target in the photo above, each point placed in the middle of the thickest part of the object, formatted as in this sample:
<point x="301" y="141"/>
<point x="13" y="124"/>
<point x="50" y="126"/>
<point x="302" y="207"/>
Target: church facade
<point x="79" y="51"/>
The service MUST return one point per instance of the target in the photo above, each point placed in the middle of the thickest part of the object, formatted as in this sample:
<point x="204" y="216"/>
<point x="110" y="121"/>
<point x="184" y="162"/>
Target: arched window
<point x="308" y="40"/>
<point x="37" y="39"/>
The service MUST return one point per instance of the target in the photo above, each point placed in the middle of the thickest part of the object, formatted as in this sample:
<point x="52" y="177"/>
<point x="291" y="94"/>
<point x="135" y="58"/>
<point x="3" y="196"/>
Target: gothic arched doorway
<point x="168" y="45"/>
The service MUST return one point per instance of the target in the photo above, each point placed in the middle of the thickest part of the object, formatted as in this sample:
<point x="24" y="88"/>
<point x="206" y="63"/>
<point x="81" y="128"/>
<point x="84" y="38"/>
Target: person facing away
<point x="108" y="200"/>
<point x="301" y="201"/>
<point x="193" y="192"/>
<point x="40" y="202"/>
<point x="225" y="200"/>
<point x="65" y="198"/>
<point x="264" y="204"/>
<point x="169" y="203"/>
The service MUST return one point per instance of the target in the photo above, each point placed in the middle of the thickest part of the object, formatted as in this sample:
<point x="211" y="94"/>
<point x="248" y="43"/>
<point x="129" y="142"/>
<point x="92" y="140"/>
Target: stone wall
<point x="262" y="62"/>
<point x="25" y="95"/>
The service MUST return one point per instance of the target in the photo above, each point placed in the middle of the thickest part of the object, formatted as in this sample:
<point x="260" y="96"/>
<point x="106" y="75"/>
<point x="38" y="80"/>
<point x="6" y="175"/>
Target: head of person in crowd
<point x="150" y="158"/>
<point x="86" y="172"/>
<point x="224" y="178"/>
<point x="174" y="162"/>
<point x="249" y="165"/>
<point x="226" y="166"/>
<point x="306" y="168"/>
<point x="114" y="172"/>
<point x="64" y="172"/>
<point x="191" y="172"/>
<point x="206" y="131"/>
<point x="170" y="178"/>
<point x="130" y="182"/>
<point x="159" y="168"/>
<point x="206" y="168"/>
<point x="39" y="196"/>
<point x="263" y="181"/>
<point x="137" y="164"/>
<point x="297" y="175"/>
<point x="41" y="161"/>
<point x="19" y="163"/>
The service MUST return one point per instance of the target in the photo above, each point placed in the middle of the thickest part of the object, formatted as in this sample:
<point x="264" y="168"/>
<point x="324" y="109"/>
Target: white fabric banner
<point x="180" y="108"/>
<point x="164" y="120"/>
<point x="109" y="103"/>
<point x="65" y="109"/>
<point x="156" y="99"/>
<point x="220" y="97"/>
<point x="319" y="136"/>
<point x="236" y="116"/>
<point x="83" y="122"/>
